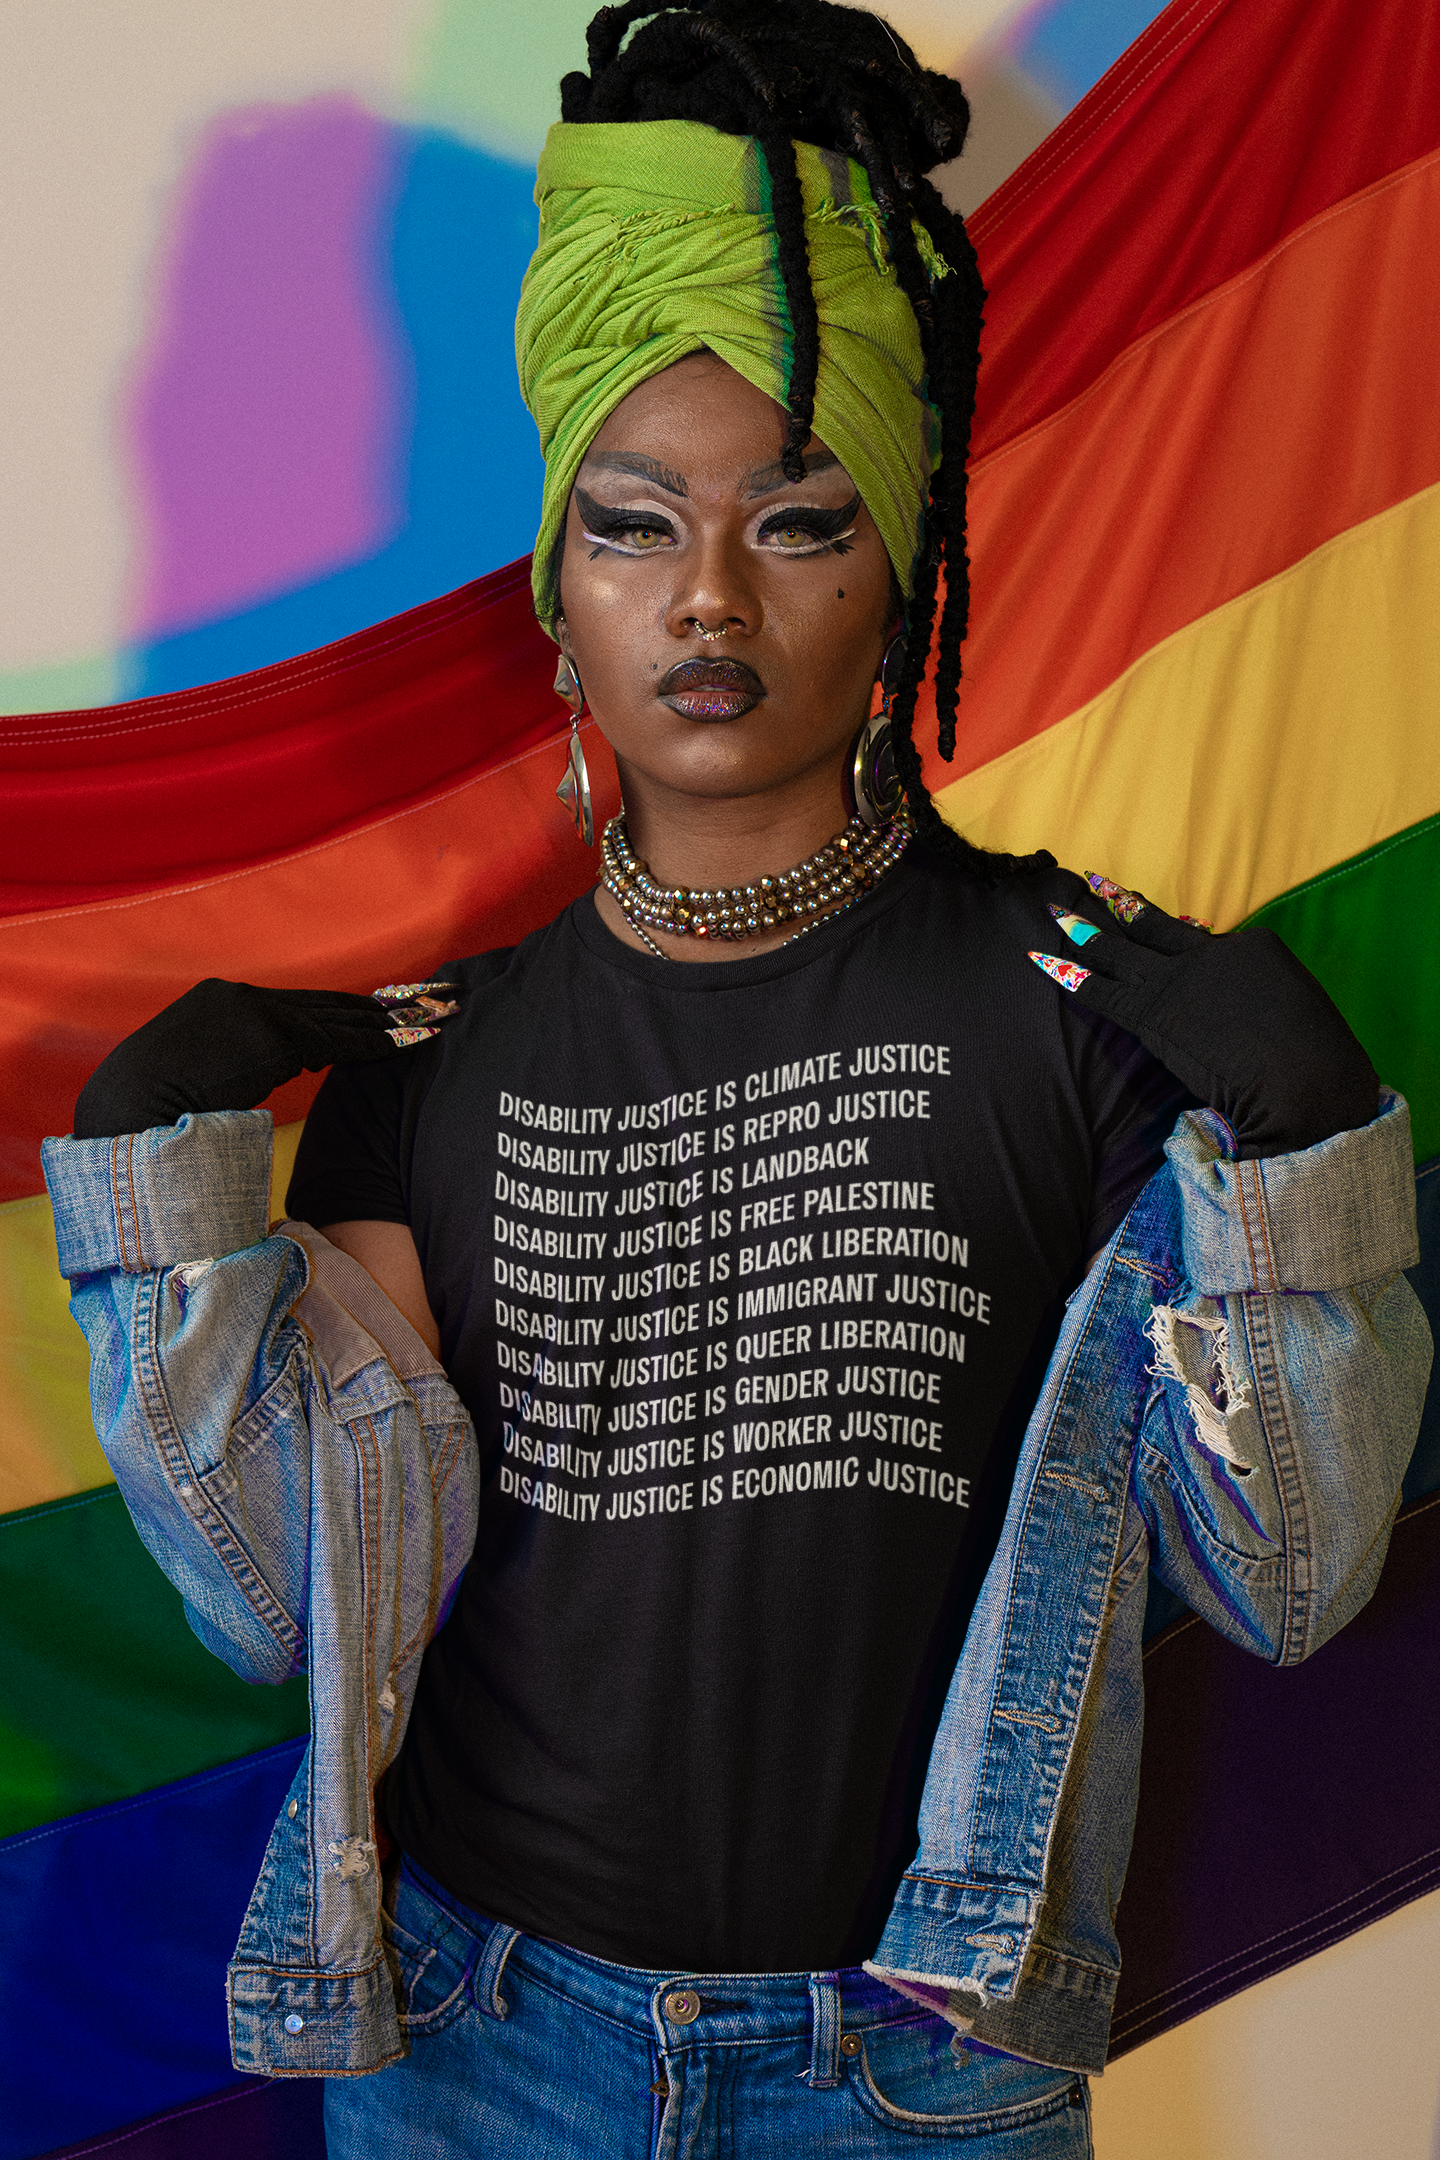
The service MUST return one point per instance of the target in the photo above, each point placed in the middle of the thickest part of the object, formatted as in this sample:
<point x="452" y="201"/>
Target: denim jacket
<point x="1232" y="1400"/>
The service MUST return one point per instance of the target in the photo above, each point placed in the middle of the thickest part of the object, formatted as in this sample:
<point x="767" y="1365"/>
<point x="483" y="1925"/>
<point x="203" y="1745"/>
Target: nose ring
<point x="709" y="636"/>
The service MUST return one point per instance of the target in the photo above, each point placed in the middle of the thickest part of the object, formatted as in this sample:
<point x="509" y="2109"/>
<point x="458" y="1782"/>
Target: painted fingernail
<point x="419" y="1011"/>
<point x="397" y="993"/>
<point x="1075" y="927"/>
<point x="403" y="1037"/>
<point x="1121" y="903"/>
<point x="1068" y="973"/>
<point x="1197" y="922"/>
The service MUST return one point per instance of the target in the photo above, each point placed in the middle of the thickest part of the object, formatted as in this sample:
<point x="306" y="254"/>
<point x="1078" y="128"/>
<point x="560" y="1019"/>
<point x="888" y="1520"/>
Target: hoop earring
<point x="574" y="788"/>
<point x="874" y="782"/>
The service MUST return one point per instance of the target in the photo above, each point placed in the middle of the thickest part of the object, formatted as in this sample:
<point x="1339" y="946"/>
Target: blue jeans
<point x="523" y="2050"/>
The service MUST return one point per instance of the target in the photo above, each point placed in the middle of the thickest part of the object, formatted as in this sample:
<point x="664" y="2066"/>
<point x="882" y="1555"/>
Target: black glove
<point x="226" y="1046"/>
<point x="1236" y="1018"/>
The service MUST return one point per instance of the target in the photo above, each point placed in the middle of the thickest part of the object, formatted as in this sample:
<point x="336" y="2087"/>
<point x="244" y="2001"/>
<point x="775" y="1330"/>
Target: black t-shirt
<point x="747" y="1273"/>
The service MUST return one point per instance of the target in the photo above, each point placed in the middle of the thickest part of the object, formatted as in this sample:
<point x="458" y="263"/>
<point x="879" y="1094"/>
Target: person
<point x="835" y="1308"/>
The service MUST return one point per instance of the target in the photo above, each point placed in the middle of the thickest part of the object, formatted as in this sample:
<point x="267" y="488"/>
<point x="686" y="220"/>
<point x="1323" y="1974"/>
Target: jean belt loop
<point x="498" y="1945"/>
<point x="824" y="2071"/>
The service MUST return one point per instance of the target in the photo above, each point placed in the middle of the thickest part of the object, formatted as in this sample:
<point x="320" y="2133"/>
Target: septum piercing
<point x="709" y="636"/>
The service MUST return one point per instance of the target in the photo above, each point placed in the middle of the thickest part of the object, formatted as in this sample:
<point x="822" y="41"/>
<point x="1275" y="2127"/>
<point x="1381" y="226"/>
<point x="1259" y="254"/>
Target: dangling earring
<point x="574" y="789"/>
<point x="874" y="781"/>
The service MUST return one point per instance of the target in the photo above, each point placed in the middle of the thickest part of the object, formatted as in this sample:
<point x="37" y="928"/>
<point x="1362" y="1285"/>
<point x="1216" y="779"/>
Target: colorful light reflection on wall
<point x="266" y="354"/>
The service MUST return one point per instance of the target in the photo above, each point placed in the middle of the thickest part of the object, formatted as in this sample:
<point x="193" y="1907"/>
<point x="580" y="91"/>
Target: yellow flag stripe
<point x="1265" y="742"/>
<point x="48" y="1448"/>
<point x="47" y="1443"/>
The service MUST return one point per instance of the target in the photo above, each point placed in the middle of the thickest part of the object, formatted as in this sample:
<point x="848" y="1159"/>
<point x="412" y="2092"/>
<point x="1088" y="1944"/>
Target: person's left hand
<point x="1236" y="1018"/>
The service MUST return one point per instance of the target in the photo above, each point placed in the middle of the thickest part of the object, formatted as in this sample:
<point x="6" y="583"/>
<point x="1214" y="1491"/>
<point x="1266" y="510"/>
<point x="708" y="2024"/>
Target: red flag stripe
<point x="154" y="793"/>
<point x="1225" y="126"/>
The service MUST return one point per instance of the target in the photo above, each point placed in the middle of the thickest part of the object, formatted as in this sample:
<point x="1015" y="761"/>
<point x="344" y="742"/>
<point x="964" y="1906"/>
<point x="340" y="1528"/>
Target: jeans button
<point x="682" y="2008"/>
<point x="850" y="2043"/>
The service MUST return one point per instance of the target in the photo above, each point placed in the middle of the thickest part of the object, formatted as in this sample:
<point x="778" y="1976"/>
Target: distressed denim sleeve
<point x="1290" y="1369"/>
<point x="185" y="1304"/>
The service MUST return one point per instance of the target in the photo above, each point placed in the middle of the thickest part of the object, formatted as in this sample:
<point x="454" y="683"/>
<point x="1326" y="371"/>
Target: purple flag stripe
<point x="1281" y="1810"/>
<point x="261" y="2119"/>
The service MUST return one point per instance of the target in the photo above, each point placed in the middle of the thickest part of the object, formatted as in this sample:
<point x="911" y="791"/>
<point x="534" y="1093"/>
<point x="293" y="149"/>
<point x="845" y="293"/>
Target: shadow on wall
<point x="324" y="427"/>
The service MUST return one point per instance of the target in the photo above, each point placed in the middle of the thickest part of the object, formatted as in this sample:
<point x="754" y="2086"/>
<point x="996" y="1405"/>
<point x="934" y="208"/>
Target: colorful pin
<point x="1122" y="904"/>
<point x="1075" y="927"/>
<point x="1068" y="973"/>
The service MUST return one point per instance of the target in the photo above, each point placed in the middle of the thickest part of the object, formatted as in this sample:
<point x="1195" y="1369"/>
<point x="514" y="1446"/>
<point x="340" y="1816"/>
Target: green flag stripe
<point x="105" y="1691"/>
<point x="1370" y="929"/>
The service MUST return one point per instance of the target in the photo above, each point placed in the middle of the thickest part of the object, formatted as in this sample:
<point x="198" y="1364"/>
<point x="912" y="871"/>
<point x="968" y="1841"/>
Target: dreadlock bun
<point x="838" y="77"/>
<point x="806" y="65"/>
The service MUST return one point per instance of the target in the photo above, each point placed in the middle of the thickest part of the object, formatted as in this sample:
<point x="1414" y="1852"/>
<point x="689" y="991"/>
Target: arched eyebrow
<point x="767" y="479"/>
<point x="640" y="468"/>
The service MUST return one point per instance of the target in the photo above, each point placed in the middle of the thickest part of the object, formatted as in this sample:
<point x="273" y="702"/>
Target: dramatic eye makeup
<point x="798" y="529"/>
<point x="805" y="529"/>
<point x="627" y="532"/>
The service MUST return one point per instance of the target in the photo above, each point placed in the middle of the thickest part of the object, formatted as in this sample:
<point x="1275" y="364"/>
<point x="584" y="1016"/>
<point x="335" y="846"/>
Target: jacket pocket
<point x="909" y="2076"/>
<point x="1218" y="1523"/>
<point x="247" y="1508"/>
<point x="432" y="1960"/>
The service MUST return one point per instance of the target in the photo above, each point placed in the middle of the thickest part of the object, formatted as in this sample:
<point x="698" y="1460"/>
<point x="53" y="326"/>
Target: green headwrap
<point x="656" y="240"/>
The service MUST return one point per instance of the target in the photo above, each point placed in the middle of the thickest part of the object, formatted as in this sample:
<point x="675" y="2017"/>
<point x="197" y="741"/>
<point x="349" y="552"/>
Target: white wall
<point x="100" y="107"/>
<point x="1336" y="2059"/>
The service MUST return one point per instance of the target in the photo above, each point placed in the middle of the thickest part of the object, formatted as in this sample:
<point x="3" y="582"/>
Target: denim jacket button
<point x="682" y="2008"/>
<point x="294" y="2024"/>
<point x="293" y="1810"/>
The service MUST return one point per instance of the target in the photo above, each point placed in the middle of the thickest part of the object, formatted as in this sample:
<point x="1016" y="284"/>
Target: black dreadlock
<point x="838" y="77"/>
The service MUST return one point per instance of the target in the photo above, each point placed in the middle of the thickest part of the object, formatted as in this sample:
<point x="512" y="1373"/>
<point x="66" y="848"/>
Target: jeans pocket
<point x="908" y="2075"/>
<point x="433" y="1959"/>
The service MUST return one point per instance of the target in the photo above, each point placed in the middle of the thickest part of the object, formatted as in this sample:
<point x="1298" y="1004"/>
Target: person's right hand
<point x="226" y="1046"/>
<point x="1237" y="1018"/>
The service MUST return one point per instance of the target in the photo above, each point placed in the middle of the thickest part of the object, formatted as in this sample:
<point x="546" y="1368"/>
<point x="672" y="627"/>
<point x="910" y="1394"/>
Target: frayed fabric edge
<point x="938" y="1993"/>
<point x="1211" y="1422"/>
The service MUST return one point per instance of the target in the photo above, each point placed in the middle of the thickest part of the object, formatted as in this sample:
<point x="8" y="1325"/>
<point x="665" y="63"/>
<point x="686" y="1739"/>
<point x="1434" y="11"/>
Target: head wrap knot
<point x="656" y="241"/>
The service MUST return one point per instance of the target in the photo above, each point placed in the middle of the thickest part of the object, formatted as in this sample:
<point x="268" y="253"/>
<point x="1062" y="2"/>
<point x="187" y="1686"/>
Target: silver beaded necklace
<point x="826" y="884"/>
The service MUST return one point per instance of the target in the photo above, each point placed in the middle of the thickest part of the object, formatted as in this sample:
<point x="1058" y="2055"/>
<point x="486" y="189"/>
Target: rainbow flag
<point x="1204" y="658"/>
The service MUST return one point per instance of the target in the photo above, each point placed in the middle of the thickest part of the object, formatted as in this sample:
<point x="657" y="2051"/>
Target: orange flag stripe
<point x="1288" y="405"/>
<point x="474" y="868"/>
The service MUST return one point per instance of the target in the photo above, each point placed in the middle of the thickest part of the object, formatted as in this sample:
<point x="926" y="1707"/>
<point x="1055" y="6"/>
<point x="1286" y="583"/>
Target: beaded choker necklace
<point x="828" y="883"/>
